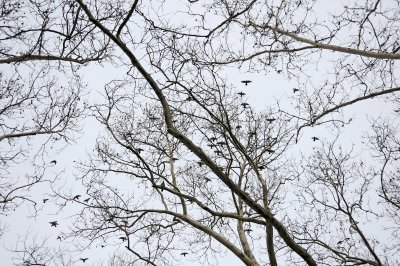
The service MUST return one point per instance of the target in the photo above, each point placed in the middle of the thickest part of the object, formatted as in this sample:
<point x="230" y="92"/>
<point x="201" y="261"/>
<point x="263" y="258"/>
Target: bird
<point x="246" y="82"/>
<point x="270" y="151"/>
<point x="248" y="230"/>
<point x="221" y="143"/>
<point x="315" y="138"/>
<point x="84" y="259"/>
<point x="44" y="200"/>
<point x="271" y="119"/>
<point x="53" y="223"/>
<point x="262" y="167"/>
<point x="244" y="105"/>
<point x="86" y="200"/>
<point x="139" y="150"/>
<point x="295" y="90"/>
<point x="184" y="254"/>
<point x="59" y="238"/>
<point x="54" y="161"/>
<point x="238" y="127"/>
<point x="123" y="238"/>
<point x="162" y="186"/>
<point x="213" y="138"/>
<point x="218" y="152"/>
<point x="76" y="197"/>
<point x="200" y="163"/>
<point x="241" y="94"/>
<point x="207" y="179"/>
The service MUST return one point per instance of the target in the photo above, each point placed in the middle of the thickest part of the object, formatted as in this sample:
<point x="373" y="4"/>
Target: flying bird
<point x="59" y="238"/>
<point x="184" y="254"/>
<point x="76" y="197"/>
<point x="84" y="259"/>
<point x="315" y="138"/>
<point x="244" y="105"/>
<point x="241" y="94"/>
<point x="53" y="223"/>
<point x="44" y="200"/>
<point x="246" y="82"/>
<point x="248" y="230"/>
<point x="295" y="90"/>
<point x="271" y="119"/>
<point x="54" y="161"/>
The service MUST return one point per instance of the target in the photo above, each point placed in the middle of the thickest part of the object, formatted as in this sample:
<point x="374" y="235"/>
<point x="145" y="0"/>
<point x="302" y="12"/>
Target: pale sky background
<point x="261" y="93"/>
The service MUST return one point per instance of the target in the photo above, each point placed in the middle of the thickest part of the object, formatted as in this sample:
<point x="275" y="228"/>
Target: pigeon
<point x="84" y="259"/>
<point x="246" y="82"/>
<point x="76" y="197"/>
<point x="53" y="223"/>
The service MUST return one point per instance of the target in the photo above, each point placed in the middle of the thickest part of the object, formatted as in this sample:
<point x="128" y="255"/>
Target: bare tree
<point x="187" y="169"/>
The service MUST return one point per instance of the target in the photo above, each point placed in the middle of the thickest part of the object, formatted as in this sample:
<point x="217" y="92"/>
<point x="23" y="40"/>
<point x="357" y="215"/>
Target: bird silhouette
<point x="54" y="162"/>
<point x="246" y="82"/>
<point x="139" y="150"/>
<point x="184" y="254"/>
<point x="84" y="259"/>
<point x="248" y="230"/>
<point x="44" y="200"/>
<point x="162" y="186"/>
<point x="59" y="238"/>
<point x="86" y="200"/>
<point x="53" y="223"/>
<point x="295" y="90"/>
<point x="238" y="127"/>
<point x="262" y="167"/>
<point x="241" y="94"/>
<point x="244" y="105"/>
<point x="123" y="238"/>
<point x="271" y="119"/>
<point x="315" y="138"/>
<point x="207" y="179"/>
<point x="76" y="197"/>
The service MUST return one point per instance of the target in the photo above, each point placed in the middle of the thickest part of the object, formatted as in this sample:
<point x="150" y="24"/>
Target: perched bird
<point x="190" y="98"/>
<point x="241" y="94"/>
<point x="44" y="200"/>
<point x="246" y="82"/>
<point x="244" y="105"/>
<point x="295" y="90"/>
<point x="76" y="197"/>
<point x="84" y="259"/>
<point x="270" y="151"/>
<point x="238" y="127"/>
<point x="271" y="119"/>
<point x="86" y="200"/>
<point x="54" y="162"/>
<point x="315" y="138"/>
<point x="53" y="223"/>
<point x="184" y="254"/>
<point x="162" y="186"/>
<point x="102" y="246"/>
